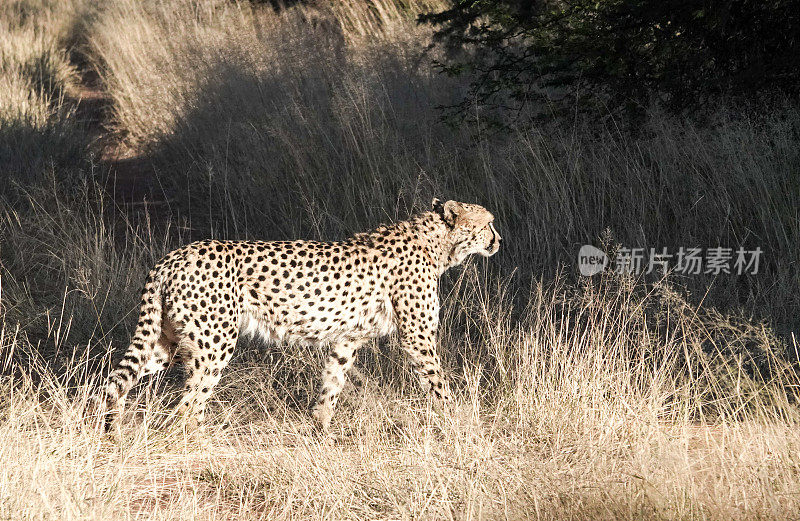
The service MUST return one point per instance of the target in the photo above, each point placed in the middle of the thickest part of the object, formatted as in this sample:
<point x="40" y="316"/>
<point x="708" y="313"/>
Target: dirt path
<point x="130" y="179"/>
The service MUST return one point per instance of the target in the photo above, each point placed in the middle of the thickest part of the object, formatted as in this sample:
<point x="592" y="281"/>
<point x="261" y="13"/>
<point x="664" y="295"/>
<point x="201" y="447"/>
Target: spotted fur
<point x="201" y="297"/>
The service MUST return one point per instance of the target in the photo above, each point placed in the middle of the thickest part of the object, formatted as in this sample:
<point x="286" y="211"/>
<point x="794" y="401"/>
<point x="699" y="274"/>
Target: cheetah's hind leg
<point x="340" y="360"/>
<point x="207" y="356"/>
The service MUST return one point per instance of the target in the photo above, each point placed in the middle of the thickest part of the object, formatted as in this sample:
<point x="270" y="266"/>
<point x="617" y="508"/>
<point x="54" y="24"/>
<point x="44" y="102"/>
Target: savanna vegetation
<point x="129" y="127"/>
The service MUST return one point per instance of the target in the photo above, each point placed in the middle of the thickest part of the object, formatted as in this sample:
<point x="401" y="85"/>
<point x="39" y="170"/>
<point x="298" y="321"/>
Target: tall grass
<point x="276" y="126"/>
<point x="37" y="127"/>
<point x="606" y="398"/>
<point x="587" y="413"/>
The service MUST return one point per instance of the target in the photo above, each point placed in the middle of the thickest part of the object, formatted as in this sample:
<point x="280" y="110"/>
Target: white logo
<point x="591" y="260"/>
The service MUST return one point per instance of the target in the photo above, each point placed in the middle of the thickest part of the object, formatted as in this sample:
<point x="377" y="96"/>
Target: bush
<point x="621" y="53"/>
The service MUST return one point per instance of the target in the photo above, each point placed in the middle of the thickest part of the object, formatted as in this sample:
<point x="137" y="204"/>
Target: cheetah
<point x="199" y="298"/>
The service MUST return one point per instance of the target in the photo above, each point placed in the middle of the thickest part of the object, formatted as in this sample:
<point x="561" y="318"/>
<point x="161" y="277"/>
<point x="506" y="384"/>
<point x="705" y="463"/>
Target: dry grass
<point x="587" y="414"/>
<point x="285" y="126"/>
<point x="38" y="128"/>
<point x="609" y="398"/>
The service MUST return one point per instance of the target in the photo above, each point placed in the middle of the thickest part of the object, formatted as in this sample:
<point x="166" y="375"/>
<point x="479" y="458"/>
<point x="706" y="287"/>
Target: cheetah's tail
<point x="140" y="358"/>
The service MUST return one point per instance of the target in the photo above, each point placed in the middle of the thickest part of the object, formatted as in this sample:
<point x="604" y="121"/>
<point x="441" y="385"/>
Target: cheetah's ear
<point x="449" y="210"/>
<point x="436" y="205"/>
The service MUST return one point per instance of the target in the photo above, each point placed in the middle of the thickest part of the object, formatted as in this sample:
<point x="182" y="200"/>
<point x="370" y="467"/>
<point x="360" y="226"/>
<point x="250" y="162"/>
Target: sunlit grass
<point x="580" y="421"/>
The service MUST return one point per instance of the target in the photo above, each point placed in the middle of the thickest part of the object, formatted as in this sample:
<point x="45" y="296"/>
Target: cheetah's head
<point x="470" y="230"/>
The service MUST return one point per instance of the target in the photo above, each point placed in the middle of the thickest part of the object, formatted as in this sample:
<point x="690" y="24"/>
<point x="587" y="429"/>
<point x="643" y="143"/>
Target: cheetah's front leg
<point x="417" y="318"/>
<point x="340" y="360"/>
<point x="428" y="368"/>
